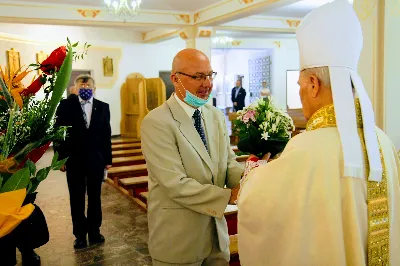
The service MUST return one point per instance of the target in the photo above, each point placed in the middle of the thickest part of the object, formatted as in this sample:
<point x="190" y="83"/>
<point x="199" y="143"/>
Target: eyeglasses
<point x="200" y="77"/>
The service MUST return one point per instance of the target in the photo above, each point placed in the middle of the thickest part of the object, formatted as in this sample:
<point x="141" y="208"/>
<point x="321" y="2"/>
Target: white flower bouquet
<point x="263" y="128"/>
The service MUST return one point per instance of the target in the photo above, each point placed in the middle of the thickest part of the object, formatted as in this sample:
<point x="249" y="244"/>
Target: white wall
<point x="129" y="55"/>
<point x="284" y="57"/>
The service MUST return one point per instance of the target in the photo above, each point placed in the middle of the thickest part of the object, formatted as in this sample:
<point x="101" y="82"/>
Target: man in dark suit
<point x="238" y="96"/>
<point x="88" y="148"/>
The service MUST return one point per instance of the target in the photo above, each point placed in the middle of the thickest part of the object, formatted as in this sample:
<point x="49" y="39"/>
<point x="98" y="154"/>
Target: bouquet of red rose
<point x="27" y="129"/>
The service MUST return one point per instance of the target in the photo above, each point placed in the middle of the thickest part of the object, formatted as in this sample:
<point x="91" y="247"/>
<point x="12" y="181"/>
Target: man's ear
<point x="315" y="85"/>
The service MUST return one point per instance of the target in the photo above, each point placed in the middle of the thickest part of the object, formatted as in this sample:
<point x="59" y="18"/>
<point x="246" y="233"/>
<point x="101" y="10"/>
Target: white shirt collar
<point x="188" y="109"/>
<point x="88" y="101"/>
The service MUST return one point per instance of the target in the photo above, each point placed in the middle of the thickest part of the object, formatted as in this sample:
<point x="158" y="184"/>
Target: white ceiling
<point x="298" y="9"/>
<point x="178" y="5"/>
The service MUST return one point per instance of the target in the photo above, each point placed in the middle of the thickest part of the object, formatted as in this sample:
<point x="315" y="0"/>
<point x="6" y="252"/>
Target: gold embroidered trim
<point x="377" y="195"/>
<point x="325" y="117"/>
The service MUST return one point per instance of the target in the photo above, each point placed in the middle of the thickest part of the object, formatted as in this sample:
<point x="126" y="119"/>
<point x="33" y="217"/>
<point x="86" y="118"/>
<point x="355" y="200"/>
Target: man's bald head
<point x="188" y="58"/>
<point x="192" y="72"/>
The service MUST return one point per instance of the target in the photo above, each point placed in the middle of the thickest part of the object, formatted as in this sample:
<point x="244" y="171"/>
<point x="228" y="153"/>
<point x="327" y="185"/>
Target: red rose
<point x="55" y="60"/>
<point x="34" y="87"/>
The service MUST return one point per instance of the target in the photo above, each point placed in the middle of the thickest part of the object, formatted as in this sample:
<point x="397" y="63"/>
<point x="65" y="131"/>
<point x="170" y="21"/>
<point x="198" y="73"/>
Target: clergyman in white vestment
<point x="333" y="196"/>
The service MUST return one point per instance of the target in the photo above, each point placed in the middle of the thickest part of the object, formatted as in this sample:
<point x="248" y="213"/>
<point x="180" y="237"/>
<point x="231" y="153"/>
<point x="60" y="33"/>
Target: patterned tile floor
<point x="124" y="227"/>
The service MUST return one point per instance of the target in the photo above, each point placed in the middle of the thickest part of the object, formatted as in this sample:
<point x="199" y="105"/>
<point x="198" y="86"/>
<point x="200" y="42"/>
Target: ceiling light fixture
<point x="122" y="9"/>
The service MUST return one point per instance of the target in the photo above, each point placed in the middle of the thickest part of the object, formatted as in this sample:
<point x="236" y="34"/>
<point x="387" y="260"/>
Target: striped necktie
<point x="83" y="103"/>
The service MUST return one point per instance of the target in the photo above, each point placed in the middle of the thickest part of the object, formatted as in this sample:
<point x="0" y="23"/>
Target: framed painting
<point x="14" y="61"/>
<point x="108" y="67"/>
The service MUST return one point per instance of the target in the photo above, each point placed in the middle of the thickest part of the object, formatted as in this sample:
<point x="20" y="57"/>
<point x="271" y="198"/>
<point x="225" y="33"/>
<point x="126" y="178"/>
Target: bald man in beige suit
<point x="189" y="159"/>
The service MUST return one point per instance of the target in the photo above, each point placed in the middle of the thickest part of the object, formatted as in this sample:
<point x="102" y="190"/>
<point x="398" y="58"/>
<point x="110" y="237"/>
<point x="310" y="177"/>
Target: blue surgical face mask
<point x="192" y="99"/>
<point x="85" y="93"/>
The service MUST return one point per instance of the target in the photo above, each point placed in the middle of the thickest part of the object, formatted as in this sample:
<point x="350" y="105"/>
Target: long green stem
<point x="9" y="134"/>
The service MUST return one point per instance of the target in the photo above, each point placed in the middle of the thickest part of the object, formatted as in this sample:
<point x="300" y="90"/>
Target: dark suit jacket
<point x="85" y="147"/>
<point x="239" y="99"/>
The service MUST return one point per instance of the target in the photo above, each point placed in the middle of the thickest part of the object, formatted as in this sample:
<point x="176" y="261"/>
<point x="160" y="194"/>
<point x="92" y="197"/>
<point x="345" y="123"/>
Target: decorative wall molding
<point x="292" y="23"/>
<point x="236" y="43"/>
<point x="88" y="13"/>
<point x="196" y="17"/>
<point x="205" y="33"/>
<point x="246" y="2"/>
<point x="277" y="43"/>
<point x="183" y="35"/>
<point x="183" y="17"/>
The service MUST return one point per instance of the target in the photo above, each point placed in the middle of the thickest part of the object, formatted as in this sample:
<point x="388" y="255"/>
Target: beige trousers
<point x="216" y="258"/>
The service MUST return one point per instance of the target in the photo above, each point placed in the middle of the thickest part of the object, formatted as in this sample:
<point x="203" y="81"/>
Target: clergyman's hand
<point x="234" y="194"/>
<point x="235" y="104"/>
<point x="108" y="167"/>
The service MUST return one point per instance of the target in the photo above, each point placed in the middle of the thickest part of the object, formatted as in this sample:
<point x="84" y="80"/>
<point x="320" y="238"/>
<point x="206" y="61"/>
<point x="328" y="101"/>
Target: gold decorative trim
<point x="183" y="35"/>
<point x="277" y="43"/>
<point x="205" y="33"/>
<point x="88" y="13"/>
<point x="236" y="43"/>
<point x="183" y="17"/>
<point x="292" y="23"/>
<point x="246" y="2"/>
<point x="196" y="17"/>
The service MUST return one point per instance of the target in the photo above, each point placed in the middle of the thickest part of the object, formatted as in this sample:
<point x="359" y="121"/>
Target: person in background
<point x="265" y="91"/>
<point x="88" y="148"/>
<point x="238" y="96"/>
<point x="190" y="161"/>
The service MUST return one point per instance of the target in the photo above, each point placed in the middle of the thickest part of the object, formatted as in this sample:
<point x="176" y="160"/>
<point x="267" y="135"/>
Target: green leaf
<point x="75" y="44"/>
<point x="1" y="182"/>
<point x="63" y="78"/>
<point x="59" y="164"/>
<point x="31" y="166"/>
<point x="55" y="158"/>
<point x="18" y="180"/>
<point x="42" y="174"/>
<point x="68" y="41"/>
<point x="88" y="46"/>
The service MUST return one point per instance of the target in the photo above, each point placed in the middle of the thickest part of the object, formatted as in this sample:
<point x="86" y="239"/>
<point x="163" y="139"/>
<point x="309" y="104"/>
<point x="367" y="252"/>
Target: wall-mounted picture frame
<point x="40" y="57"/>
<point x="108" y="67"/>
<point x="14" y="61"/>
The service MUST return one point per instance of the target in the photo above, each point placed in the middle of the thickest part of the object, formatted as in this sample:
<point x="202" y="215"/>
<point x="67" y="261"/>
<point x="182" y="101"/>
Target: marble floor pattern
<point x="124" y="227"/>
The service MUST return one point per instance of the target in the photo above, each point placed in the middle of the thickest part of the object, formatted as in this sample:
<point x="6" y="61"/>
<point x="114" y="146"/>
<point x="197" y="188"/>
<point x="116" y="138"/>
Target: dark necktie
<point x="199" y="127"/>
<point x="84" y="113"/>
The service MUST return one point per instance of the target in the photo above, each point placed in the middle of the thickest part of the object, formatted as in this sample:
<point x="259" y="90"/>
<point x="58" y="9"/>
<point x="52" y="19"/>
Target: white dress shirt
<point x="88" y="108"/>
<point x="190" y="112"/>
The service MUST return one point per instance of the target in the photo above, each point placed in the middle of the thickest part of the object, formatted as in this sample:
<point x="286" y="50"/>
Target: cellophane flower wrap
<point x="263" y="128"/>
<point x="27" y="127"/>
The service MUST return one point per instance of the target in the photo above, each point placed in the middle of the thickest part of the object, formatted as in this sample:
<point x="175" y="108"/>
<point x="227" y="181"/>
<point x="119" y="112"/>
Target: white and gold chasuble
<point x="299" y="210"/>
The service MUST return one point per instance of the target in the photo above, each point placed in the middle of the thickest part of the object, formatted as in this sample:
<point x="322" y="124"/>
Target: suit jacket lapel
<point x="95" y="108"/>
<point x="189" y="131"/>
<point x="211" y="127"/>
<point x="80" y="112"/>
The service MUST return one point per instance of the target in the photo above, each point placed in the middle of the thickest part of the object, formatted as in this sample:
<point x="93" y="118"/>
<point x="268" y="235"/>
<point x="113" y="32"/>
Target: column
<point x="198" y="38"/>
<point x="378" y="67"/>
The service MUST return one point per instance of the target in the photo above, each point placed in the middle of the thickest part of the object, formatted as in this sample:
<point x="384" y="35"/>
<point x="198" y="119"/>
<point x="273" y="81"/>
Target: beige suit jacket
<point x="187" y="198"/>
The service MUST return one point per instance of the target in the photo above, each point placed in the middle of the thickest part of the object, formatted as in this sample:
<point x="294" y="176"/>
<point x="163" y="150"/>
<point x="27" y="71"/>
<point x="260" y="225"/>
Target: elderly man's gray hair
<point x="322" y="73"/>
<point x="84" y="78"/>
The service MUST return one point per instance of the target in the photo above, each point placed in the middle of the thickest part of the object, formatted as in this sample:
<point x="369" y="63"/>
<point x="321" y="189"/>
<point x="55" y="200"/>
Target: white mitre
<point x="332" y="36"/>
